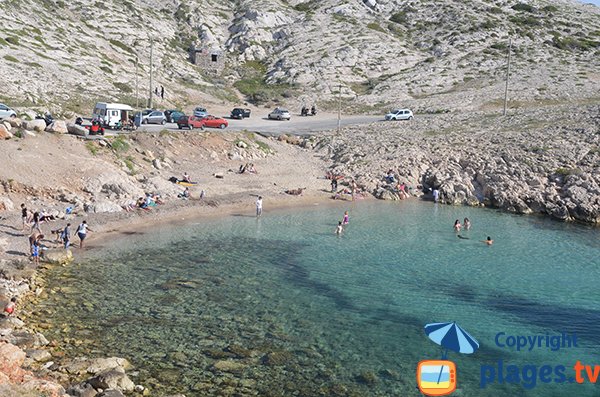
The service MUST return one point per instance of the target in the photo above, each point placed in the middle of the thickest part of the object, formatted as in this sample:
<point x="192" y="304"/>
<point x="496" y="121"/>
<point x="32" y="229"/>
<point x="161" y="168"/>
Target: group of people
<point x="466" y="225"/>
<point x="151" y="200"/>
<point x="340" y="227"/>
<point x="248" y="167"/>
<point x="304" y="111"/>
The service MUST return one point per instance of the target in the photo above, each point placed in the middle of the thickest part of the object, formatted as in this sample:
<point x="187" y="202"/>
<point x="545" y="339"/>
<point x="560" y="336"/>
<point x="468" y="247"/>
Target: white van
<point x="111" y="113"/>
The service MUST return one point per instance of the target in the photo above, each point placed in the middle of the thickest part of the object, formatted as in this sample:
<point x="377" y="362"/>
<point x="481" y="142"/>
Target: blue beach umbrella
<point x="451" y="337"/>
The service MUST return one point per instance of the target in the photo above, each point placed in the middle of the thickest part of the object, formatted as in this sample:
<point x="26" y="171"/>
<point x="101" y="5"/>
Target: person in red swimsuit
<point x="10" y="306"/>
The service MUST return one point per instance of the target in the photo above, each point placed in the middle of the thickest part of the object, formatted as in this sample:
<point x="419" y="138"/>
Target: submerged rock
<point x="229" y="366"/>
<point x="58" y="256"/>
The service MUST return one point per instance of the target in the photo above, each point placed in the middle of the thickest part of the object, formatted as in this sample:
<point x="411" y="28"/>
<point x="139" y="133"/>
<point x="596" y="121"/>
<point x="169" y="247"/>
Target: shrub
<point x="12" y="40"/>
<point x="121" y="45"/>
<point x="91" y="146"/>
<point x="550" y="9"/>
<point x="106" y="69"/>
<point x="375" y="26"/>
<point x="120" y="144"/>
<point x="495" y="10"/>
<point x="123" y="87"/>
<point x="522" y="7"/>
<point x="10" y="58"/>
<point x="399" y="17"/>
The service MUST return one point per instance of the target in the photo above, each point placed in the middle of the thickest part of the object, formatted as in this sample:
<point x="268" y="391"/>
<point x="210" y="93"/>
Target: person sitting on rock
<point x="141" y="203"/>
<point x="10" y="307"/>
<point x="251" y="169"/>
<point x="186" y="178"/>
<point x="185" y="194"/>
<point x="390" y="178"/>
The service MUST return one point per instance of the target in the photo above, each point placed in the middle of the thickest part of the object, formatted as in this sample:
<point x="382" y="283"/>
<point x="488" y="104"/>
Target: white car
<point x="6" y="112"/>
<point x="399" y="114"/>
<point x="156" y="117"/>
<point x="279" y="114"/>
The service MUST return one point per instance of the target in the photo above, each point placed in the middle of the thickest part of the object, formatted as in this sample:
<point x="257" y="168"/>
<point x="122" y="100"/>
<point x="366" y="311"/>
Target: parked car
<point x="200" y="112"/>
<point x="190" y="122"/>
<point x="399" y="114"/>
<point x="156" y="117"/>
<point x="239" y="113"/>
<point x="280" y="114"/>
<point x="6" y="112"/>
<point x="215" y="122"/>
<point x="173" y="115"/>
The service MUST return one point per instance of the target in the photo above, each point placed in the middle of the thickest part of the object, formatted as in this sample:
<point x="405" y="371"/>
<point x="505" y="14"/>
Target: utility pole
<point x="507" y="75"/>
<point x="137" y="98"/>
<point x="339" y="106"/>
<point x="150" y="87"/>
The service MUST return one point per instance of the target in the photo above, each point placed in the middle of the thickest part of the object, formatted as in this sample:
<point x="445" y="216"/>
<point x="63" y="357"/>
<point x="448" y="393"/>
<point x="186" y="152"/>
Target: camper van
<point x="112" y="113"/>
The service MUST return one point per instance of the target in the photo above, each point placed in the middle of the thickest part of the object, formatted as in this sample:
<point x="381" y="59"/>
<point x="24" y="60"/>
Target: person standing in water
<point x="339" y="229"/>
<point x="467" y="224"/>
<point x="259" y="206"/>
<point x="346" y="218"/>
<point x="457" y="226"/>
<point x="82" y="232"/>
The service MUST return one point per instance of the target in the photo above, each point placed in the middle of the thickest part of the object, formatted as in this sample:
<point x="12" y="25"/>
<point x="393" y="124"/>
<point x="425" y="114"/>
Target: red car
<point x="190" y="122"/>
<point x="214" y="122"/>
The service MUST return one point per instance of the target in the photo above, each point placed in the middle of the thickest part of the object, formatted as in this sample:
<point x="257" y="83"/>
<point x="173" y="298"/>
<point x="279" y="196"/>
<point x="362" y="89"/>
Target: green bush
<point x="10" y="58"/>
<point x="525" y="20"/>
<point x="121" y="45"/>
<point x="550" y="9"/>
<point x="400" y="17"/>
<point x="123" y="87"/>
<point x="12" y="40"/>
<point x="495" y="10"/>
<point x="375" y="26"/>
<point x="106" y="69"/>
<point x="522" y="7"/>
<point x="120" y="144"/>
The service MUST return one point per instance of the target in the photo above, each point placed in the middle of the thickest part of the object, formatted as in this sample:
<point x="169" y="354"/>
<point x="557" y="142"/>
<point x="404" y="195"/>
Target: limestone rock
<point x="82" y="390"/>
<point x="11" y="359"/>
<point x="58" y="256"/>
<point x="15" y="122"/>
<point x="229" y="366"/>
<point x="98" y="365"/>
<point x="103" y="206"/>
<point x="4" y="132"/>
<point x="111" y="393"/>
<point x="76" y="129"/>
<point x="37" y="125"/>
<point x="57" y="127"/>
<point x="38" y="355"/>
<point x="156" y="164"/>
<point x="6" y="204"/>
<point x="112" y="379"/>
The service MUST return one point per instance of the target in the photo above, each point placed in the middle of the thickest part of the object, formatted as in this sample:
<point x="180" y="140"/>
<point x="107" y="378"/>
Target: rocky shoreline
<point x="531" y="162"/>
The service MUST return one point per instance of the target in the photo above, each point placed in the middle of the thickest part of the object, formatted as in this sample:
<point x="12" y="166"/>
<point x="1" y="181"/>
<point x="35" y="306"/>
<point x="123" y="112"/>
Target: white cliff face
<point x="451" y="55"/>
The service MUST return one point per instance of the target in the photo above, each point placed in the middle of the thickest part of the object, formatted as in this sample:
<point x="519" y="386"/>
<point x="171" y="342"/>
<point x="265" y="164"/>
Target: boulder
<point x="82" y="390"/>
<point x="77" y="130"/>
<point x="15" y="122"/>
<point x="4" y="132"/>
<point x="112" y="379"/>
<point x="57" y="127"/>
<point x="11" y="359"/>
<point x="102" y="207"/>
<point x="98" y="365"/>
<point x="46" y="388"/>
<point x="156" y="164"/>
<point x="37" y="125"/>
<point x="229" y="366"/>
<point x="38" y="354"/>
<point x="58" y="256"/>
<point x="6" y="204"/>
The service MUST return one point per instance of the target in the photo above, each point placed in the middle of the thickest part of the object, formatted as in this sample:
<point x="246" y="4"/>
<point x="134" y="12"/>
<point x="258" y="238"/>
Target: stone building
<point x="209" y="59"/>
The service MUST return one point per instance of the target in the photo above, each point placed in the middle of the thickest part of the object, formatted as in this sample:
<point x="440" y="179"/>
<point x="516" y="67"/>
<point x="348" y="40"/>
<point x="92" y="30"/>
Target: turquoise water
<point x="295" y="310"/>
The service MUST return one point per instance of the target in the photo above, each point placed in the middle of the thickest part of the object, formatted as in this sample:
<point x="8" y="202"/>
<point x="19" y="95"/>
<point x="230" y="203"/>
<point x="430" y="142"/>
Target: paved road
<point x="297" y="125"/>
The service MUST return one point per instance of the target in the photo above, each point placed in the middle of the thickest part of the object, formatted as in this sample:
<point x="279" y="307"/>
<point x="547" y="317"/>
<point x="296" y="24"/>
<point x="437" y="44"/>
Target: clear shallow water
<point x="300" y="311"/>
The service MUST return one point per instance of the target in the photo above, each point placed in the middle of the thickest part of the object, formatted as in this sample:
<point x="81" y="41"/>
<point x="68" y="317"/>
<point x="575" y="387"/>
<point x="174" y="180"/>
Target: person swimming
<point x="457" y="226"/>
<point x="467" y="224"/>
<point x="346" y="218"/>
<point x="488" y="241"/>
<point x="339" y="229"/>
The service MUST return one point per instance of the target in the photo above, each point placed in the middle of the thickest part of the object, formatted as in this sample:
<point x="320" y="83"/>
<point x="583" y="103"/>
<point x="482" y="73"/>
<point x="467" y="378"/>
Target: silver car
<point x="279" y="114"/>
<point x="6" y="112"/>
<point x="156" y="117"/>
<point x="399" y="114"/>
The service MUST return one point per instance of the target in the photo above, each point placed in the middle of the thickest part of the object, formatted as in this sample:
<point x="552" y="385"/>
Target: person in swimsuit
<point x="35" y="252"/>
<point x="259" y="206"/>
<point x="488" y="241"/>
<point x="339" y="229"/>
<point x="186" y="177"/>
<point x="10" y="307"/>
<point x="457" y="226"/>
<point x="467" y="224"/>
<point x="346" y="218"/>
<point x="82" y="232"/>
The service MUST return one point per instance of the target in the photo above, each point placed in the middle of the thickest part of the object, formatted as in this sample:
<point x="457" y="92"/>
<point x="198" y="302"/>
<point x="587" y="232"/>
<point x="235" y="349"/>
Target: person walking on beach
<point x="24" y="215"/>
<point x="467" y="224"/>
<point x="339" y="229"/>
<point x="10" y="307"/>
<point x="259" y="206"/>
<point x="457" y="226"/>
<point x="346" y="218"/>
<point x="82" y="232"/>
<point x="36" y="222"/>
<point x="66" y="235"/>
<point x="334" y="185"/>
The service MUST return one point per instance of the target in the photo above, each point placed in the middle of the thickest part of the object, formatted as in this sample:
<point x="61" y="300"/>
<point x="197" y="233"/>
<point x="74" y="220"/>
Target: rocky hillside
<point x="432" y="55"/>
<point x="543" y="162"/>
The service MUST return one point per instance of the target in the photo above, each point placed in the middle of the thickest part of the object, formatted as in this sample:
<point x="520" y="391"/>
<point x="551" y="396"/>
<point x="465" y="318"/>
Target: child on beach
<point x="35" y="252"/>
<point x="346" y="218"/>
<point x="339" y="229"/>
<point x="10" y="307"/>
<point x="457" y="226"/>
<point x="82" y="232"/>
<point x="259" y="205"/>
